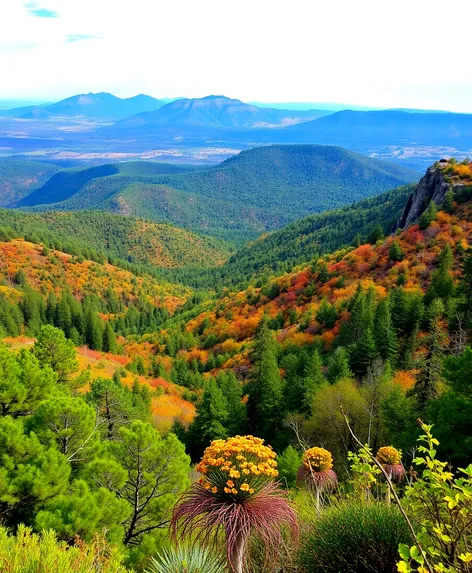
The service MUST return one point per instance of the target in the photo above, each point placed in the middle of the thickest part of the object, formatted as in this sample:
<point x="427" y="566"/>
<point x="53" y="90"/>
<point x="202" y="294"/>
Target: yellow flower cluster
<point x="388" y="455"/>
<point x="317" y="459"/>
<point x="238" y="466"/>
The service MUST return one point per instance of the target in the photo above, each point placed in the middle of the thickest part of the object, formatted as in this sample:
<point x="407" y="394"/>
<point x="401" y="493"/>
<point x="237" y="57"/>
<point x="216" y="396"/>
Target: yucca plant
<point x="390" y="459"/>
<point x="237" y="495"/>
<point x="187" y="559"/>
<point x="316" y="472"/>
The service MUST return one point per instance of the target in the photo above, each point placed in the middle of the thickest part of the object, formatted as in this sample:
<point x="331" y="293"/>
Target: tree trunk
<point x="237" y="558"/>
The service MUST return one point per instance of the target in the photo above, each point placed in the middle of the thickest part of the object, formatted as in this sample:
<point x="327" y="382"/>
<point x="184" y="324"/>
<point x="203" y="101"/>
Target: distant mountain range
<point x="217" y="112"/>
<point x="93" y="106"/>
<point x="369" y="128"/>
<point x="246" y="195"/>
<point x="142" y="125"/>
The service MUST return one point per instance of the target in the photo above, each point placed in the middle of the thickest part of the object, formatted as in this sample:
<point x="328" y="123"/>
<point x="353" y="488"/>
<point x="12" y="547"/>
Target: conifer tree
<point x="395" y="253"/>
<point x="109" y="339"/>
<point x="53" y="349"/>
<point x="363" y="354"/>
<point x="313" y="379"/>
<point x="426" y="386"/>
<point x="384" y="334"/>
<point x="338" y="365"/>
<point x="428" y="216"/>
<point x="236" y="421"/>
<point x="265" y="390"/>
<point x="376" y="234"/>
<point x="448" y="204"/>
<point x="442" y="283"/>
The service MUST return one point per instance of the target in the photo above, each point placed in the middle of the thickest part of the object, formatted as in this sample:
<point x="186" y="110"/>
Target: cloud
<point x="70" y="38"/>
<point x="35" y="10"/>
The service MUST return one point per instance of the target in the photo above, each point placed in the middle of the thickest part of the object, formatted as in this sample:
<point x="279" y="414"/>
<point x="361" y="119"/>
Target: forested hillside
<point x="115" y="237"/>
<point x="255" y="191"/>
<point x="99" y="362"/>
<point x="19" y="177"/>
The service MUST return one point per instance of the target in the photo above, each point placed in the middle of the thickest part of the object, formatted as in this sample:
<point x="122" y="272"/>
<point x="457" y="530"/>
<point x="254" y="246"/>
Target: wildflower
<point x="390" y="459"/>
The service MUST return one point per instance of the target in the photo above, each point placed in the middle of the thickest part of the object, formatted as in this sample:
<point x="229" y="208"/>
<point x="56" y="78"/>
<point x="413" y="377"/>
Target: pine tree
<point x="212" y="414"/>
<point x="442" y="283"/>
<point x="376" y="234"/>
<point x="265" y="390"/>
<point x="428" y="216"/>
<point x="326" y="314"/>
<point x="465" y="288"/>
<point x="109" y="339"/>
<point x="313" y="379"/>
<point x="448" y="204"/>
<point x="363" y="354"/>
<point x="395" y="253"/>
<point x="236" y="422"/>
<point x="338" y="366"/>
<point x="93" y="330"/>
<point x="54" y="350"/>
<point x="384" y="334"/>
<point x="426" y="386"/>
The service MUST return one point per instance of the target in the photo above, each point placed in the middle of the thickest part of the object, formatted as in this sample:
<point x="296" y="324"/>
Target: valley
<point x="253" y="320"/>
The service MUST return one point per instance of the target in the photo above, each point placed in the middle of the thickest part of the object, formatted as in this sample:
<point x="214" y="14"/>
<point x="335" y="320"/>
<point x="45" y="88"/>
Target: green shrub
<point x="354" y="538"/>
<point x="31" y="553"/>
<point x="192" y="559"/>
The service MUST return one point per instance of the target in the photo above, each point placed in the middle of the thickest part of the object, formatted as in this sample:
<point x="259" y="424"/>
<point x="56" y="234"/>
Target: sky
<point x="378" y="53"/>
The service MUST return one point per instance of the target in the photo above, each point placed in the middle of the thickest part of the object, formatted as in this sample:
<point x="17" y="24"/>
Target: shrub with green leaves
<point x="31" y="553"/>
<point x="442" y="502"/>
<point x="354" y="538"/>
<point x="187" y="559"/>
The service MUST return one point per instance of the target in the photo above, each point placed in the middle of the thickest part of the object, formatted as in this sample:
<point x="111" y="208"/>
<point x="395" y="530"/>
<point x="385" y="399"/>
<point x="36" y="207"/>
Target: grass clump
<point x="354" y="538"/>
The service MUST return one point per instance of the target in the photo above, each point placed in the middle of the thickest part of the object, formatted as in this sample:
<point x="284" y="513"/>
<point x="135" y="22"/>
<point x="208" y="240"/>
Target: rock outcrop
<point x="433" y="186"/>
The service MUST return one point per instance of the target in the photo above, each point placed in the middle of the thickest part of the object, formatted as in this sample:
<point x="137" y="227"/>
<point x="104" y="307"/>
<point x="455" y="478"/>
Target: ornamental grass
<point x="354" y="538"/>
<point x="238" y="495"/>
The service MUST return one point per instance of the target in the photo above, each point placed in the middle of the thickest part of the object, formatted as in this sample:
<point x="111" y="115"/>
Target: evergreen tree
<point x="265" y="390"/>
<point x="313" y="379"/>
<point x="326" y="314"/>
<point x="338" y="366"/>
<point x="70" y="423"/>
<point x="376" y="234"/>
<point x="93" y="330"/>
<point x="442" y="283"/>
<point x="451" y="413"/>
<point x="114" y="405"/>
<point x="384" y="334"/>
<point x="32" y="473"/>
<point x="54" y="350"/>
<point x="148" y="472"/>
<point x="23" y="383"/>
<point x="428" y="216"/>
<point x="448" y="204"/>
<point x="465" y="288"/>
<point x="236" y="422"/>
<point x="395" y="253"/>
<point x="363" y="354"/>
<point x="212" y="414"/>
<point x="426" y="386"/>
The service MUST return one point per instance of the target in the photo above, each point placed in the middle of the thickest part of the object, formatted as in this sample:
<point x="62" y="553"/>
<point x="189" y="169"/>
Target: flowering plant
<point x="237" y="494"/>
<point x="316" y="469"/>
<point x="237" y="467"/>
<point x="390" y="459"/>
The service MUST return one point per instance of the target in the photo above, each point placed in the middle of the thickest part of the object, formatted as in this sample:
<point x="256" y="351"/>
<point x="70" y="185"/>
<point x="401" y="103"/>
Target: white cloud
<point x="392" y="54"/>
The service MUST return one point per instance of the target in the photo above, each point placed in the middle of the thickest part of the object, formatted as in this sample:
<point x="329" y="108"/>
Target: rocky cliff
<point x="433" y="186"/>
<point x="443" y="176"/>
